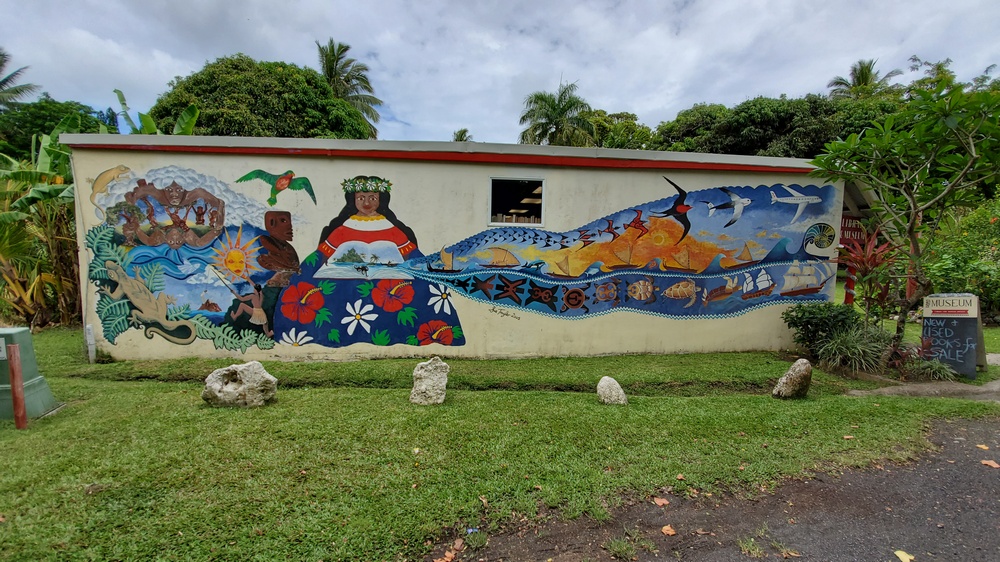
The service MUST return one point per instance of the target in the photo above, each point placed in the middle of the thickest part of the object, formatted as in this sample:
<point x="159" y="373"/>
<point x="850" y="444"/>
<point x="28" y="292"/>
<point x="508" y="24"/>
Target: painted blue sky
<point x="442" y="65"/>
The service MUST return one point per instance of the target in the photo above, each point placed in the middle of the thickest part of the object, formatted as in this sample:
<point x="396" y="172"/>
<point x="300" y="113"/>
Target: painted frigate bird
<point x="678" y="210"/>
<point x="736" y="203"/>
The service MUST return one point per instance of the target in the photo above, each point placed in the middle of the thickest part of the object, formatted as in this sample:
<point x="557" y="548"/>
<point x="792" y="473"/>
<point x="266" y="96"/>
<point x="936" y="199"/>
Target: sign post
<point x="953" y="332"/>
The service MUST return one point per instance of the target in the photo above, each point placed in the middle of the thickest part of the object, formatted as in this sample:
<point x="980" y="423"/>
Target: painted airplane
<point x="796" y="199"/>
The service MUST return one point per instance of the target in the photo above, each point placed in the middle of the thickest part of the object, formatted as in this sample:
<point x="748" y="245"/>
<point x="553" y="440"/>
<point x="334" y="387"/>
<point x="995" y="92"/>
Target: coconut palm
<point x="349" y="80"/>
<point x="9" y="91"/>
<point x="557" y="119"/>
<point x="461" y="135"/>
<point x="864" y="81"/>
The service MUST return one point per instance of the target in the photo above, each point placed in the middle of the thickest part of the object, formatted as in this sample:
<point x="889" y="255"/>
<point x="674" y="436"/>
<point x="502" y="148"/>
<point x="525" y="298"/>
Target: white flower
<point x="357" y="314"/>
<point x="440" y="299"/>
<point x="296" y="339"/>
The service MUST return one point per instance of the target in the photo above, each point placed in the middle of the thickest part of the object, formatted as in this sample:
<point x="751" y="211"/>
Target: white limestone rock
<point x="429" y="381"/>
<point x="795" y="382"/>
<point x="246" y="386"/>
<point x="610" y="392"/>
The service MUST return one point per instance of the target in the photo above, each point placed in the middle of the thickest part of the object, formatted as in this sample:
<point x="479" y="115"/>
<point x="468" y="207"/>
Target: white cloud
<point x="441" y="65"/>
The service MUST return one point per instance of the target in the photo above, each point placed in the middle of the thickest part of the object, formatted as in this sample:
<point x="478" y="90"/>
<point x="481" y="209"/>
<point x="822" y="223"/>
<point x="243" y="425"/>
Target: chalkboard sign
<point x="952" y="331"/>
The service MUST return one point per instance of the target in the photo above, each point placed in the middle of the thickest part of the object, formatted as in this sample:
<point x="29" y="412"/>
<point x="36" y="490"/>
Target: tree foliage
<point x="349" y="80"/>
<point x="919" y="164"/>
<point x="559" y="119"/>
<point x="620" y="130"/>
<point x="21" y="121"/>
<point x="239" y="96"/>
<point x="461" y="135"/>
<point x="38" y="251"/>
<point x="10" y="90"/>
<point x="863" y="82"/>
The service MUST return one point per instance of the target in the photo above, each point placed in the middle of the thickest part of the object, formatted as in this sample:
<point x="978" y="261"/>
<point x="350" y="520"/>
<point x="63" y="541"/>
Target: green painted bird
<point x="280" y="183"/>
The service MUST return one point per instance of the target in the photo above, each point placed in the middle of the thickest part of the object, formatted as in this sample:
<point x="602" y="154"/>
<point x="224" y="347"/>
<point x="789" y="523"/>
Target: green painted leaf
<point x="407" y="316"/>
<point x="327" y="286"/>
<point x="334" y="335"/>
<point x="312" y="259"/>
<point x="323" y="316"/>
<point x="457" y="331"/>
<point x="381" y="337"/>
<point x="412" y="340"/>
<point x="365" y="289"/>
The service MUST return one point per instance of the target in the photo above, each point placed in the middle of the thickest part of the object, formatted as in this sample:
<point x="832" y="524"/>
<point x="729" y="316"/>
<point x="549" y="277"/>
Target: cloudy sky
<point x="440" y="65"/>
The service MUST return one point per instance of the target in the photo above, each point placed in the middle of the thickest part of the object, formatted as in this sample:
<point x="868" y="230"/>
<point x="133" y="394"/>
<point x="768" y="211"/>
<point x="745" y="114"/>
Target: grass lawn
<point x="344" y="467"/>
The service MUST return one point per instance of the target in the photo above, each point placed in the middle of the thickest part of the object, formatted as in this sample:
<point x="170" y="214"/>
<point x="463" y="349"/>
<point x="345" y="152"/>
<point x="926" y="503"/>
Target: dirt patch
<point x="944" y="506"/>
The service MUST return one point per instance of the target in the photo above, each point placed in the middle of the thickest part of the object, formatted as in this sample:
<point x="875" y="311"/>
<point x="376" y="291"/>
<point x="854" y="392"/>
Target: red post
<point x="17" y="386"/>
<point x="849" y="285"/>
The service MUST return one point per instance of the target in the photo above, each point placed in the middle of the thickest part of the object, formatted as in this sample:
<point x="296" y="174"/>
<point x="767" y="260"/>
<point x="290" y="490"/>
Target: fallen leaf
<point x="983" y="447"/>
<point x="668" y="530"/>
<point x="302" y="472"/>
<point x="904" y="557"/>
<point x="538" y="486"/>
<point x="848" y="437"/>
<point x="680" y="477"/>
<point x="661" y="501"/>
<point x="459" y="545"/>
<point x="742" y="467"/>
<point x="790" y="554"/>
<point x="414" y="486"/>
<point x="3" y="519"/>
<point x="483" y="499"/>
<point x="991" y="464"/>
<point x="702" y="532"/>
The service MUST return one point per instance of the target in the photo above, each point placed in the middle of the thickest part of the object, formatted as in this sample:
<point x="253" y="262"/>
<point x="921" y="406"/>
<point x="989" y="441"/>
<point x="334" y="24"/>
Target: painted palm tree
<point x="461" y="135"/>
<point x="349" y="80"/>
<point x="557" y="119"/>
<point x="864" y="81"/>
<point x="10" y="92"/>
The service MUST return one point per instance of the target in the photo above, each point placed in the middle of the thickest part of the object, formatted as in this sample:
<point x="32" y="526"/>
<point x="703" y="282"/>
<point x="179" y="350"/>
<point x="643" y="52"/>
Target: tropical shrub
<point x="815" y="323"/>
<point x="966" y="259"/>
<point x="858" y="348"/>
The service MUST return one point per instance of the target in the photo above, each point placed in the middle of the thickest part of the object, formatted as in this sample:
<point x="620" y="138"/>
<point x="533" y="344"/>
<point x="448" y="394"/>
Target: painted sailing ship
<point x="447" y="260"/>
<point x="626" y="261"/>
<point x="502" y="258"/>
<point x="745" y="257"/>
<point x="761" y="287"/>
<point x="562" y="269"/>
<point x="802" y="280"/>
<point x="721" y="292"/>
<point x="683" y="259"/>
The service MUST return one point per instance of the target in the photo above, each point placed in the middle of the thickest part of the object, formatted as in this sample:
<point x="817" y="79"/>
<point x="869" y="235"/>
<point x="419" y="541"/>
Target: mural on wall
<point x="181" y="255"/>
<point x="197" y="259"/>
<point x="720" y="252"/>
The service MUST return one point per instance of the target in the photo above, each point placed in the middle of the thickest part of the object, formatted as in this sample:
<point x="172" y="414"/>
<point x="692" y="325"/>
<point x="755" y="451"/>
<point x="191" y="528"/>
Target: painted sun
<point x="235" y="258"/>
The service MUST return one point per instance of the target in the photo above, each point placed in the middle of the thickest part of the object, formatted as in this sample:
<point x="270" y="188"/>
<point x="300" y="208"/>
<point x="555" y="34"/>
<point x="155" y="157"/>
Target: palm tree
<point x="349" y="80"/>
<point x="864" y="81"/>
<point x="461" y="135"/>
<point x="9" y="92"/>
<point x="557" y="119"/>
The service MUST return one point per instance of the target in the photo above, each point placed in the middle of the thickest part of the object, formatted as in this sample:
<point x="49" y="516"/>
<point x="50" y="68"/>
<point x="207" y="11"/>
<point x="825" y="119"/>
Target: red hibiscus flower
<point x="392" y="294"/>
<point x="300" y="302"/>
<point x="435" y="331"/>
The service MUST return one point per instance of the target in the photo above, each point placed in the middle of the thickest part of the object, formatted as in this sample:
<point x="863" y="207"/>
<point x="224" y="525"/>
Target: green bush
<point x="920" y="369"/>
<point x="966" y="259"/>
<point x="856" y="349"/>
<point x="815" y="323"/>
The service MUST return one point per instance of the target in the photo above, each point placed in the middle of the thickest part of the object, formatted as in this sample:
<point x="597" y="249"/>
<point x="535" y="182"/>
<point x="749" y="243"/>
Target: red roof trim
<point x="466" y="157"/>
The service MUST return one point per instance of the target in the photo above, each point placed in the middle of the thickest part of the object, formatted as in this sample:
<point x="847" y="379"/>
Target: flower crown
<point x="366" y="184"/>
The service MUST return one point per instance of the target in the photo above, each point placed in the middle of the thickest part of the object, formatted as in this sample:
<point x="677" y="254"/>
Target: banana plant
<point x="184" y="125"/>
<point x="38" y="229"/>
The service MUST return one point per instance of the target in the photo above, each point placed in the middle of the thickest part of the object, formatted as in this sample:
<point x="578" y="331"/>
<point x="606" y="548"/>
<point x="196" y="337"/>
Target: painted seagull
<point x="678" y="210"/>
<point x="796" y="199"/>
<point x="736" y="203"/>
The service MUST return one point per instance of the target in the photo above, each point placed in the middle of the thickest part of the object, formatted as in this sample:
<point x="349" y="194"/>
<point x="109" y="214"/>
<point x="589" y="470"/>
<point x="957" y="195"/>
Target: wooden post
<point x="17" y="386"/>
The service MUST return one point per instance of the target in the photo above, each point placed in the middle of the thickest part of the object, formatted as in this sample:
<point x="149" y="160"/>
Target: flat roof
<point x="430" y="151"/>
